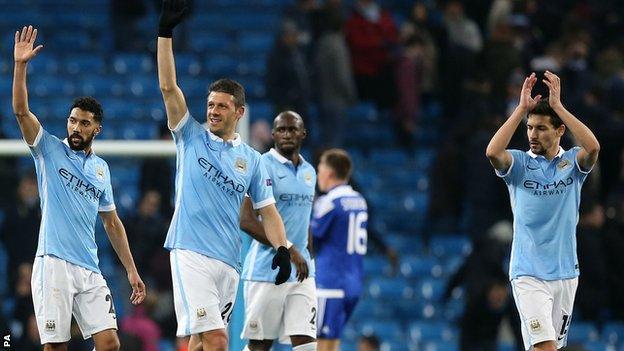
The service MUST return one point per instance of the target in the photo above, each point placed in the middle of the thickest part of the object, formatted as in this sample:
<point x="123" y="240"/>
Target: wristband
<point x="288" y="244"/>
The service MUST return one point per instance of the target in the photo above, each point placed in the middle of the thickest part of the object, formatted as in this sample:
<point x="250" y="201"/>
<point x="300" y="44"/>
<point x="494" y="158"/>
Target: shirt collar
<point x="78" y="152"/>
<point x="536" y="156"/>
<point x="281" y="158"/>
<point x="234" y="142"/>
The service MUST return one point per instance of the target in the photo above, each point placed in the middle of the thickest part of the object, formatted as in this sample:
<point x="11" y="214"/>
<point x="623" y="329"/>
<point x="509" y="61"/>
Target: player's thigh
<point x="52" y="293"/>
<point x="264" y="308"/>
<point x="227" y="287"/>
<point x="94" y="309"/>
<point x="197" y="286"/>
<point x="534" y="301"/>
<point x="563" y="304"/>
<point x="301" y="311"/>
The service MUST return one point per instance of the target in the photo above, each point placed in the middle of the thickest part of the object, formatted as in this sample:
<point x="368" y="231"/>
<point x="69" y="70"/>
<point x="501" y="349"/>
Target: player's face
<point x="323" y="176"/>
<point x="543" y="136"/>
<point x="81" y="129"/>
<point x="288" y="133"/>
<point x="223" y="114"/>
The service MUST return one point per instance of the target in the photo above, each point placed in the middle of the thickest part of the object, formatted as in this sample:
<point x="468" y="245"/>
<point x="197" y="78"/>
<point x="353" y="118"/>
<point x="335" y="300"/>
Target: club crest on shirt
<point x="308" y="179"/>
<point x="240" y="165"/>
<point x="563" y="164"/>
<point x="201" y="313"/>
<point x="535" y="325"/>
<point x="50" y="325"/>
<point x="99" y="173"/>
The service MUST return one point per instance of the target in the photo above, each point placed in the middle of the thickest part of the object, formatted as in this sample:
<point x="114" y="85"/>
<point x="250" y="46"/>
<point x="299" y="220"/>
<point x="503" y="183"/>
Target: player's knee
<point x="545" y="346"/>
<point x="305" y="346"/>
<point x="111" y="344"/>
<point x="216" y="340"/>
<point x="258" y="345"/>
<point x="55" y="347"/>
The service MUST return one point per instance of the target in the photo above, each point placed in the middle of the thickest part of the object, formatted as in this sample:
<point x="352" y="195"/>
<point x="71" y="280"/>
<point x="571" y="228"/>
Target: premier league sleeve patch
<point x="269" y="182"/>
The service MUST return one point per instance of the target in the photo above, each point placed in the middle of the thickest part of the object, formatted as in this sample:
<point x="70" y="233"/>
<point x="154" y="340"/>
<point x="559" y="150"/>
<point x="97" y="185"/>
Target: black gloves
<point x="282" y="260"/>
<point x="173" y="11"/>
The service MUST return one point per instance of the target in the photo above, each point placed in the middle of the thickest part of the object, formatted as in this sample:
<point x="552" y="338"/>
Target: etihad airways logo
<point x="554" y="188"/>
<point x="296" y="199"/>
<point x="79" y="186"/>
<point x="221" y="180"/>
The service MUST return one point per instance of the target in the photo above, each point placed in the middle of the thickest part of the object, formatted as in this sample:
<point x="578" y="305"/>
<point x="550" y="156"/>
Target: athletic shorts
<point x="275" y="310"/>
<point x="61" y="289"/>
<point x="204" y="292"/>
<point x="545" y="309"/>
<point x="334" y="308"/>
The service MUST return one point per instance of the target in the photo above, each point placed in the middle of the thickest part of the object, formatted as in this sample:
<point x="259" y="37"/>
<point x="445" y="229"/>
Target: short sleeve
<point x="575" y="150"/>
<point x="261" y="186"/>
<point x="43" y="143"/>
<point x="187" y="129"/>
<point x="322" y="216"/>
<point x="516" y="168"/>
<point x="107" y="202"/>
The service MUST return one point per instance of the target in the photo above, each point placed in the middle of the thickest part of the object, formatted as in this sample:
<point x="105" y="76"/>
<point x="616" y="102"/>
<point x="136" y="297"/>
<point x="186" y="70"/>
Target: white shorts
<point x="545" y="309"/>
<point x="204" y="292"/>
<point x="60" y="289"/>
<point x="273" y="310"/>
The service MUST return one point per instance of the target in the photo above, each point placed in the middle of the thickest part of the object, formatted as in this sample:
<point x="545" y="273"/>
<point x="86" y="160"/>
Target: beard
<point x="77" y="143"/>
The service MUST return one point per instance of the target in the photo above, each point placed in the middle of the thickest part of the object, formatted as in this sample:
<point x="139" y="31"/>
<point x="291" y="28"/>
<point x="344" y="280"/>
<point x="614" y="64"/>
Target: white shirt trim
<point x="281" y="158"/>
<point x="235" y="142"/>
<point x="37" y="138"/>
<point x="182" y="122"/>
<point x="330" y="293"/>
<point x="506" y="173"/>
<point x="561" y="151"/>
<point x="264" y="203"/>
<point x="108" y="208"/>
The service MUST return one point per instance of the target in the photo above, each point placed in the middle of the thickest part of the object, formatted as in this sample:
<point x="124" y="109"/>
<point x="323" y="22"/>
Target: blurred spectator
<point x="8" y="176"/>
<point x="30" y="341"/>
<point x="592" y="291"/>
<point x="336" y="87"/>
<point x="287" y="78"/>
<point x="157" y="175"/>
<point x="613" y="249"/>
<point x="368" y="343"/>
<point x="124" y="17"/>
<point x="305" y="15"/>
<point x="500" y="59"/>
<point x="23" y="301"/>
<point x="146" y="232"/>
<point x="372" y="37"/>
<point x="260" y="138"/>
<point x="20" y="230"/>
<point x="140" y="325"/>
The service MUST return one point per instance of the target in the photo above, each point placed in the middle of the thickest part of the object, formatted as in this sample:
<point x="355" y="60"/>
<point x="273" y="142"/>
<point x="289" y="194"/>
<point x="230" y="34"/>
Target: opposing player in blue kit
<point x="289" y="309"/>
<point x="74" y="186"/>
<point x="544" y="186"/>
<point x="339" y="228"/>
<point x="214" y="171"/>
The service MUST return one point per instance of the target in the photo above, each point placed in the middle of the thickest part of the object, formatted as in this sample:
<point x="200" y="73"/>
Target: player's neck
<point x="552" y="152"/>
<point x="333" y="183"/>
<point x="293" y="155"/>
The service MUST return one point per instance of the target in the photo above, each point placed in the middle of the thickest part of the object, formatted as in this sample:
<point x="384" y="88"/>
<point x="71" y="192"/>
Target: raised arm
<point x="496" y="150"/>
<point x="173" y="12"/>
<point x="22" y="53"/>
<point x="588" y="155"/>
<point x="117" y="236"/>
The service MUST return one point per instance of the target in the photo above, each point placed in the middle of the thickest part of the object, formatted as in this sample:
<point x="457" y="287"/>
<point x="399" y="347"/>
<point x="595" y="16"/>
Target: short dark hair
<point x="231" y="87"/>
<point x="543" y="109"/>
<point x="89" y="104"/>
<point x="339" y="161"/>
<point x="372" y="340"/>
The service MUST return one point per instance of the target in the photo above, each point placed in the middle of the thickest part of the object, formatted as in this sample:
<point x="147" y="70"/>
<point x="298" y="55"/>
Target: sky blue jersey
<point x="73" y="188"/>
<point x="339" y="223"/>
<point x="212" y="178"/>
<point x="545" y="198"/>
<point x="293" y="189"/>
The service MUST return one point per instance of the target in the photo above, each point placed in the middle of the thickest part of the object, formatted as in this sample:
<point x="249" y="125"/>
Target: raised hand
<point x="554" y="89"/>
<point x="24" y="43"/>
<point x="173" y="12"/>
<point x="526" y="101"/>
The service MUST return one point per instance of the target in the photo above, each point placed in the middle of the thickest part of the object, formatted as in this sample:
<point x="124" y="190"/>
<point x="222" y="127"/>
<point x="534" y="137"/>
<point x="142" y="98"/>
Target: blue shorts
<point x="334" y="310"/>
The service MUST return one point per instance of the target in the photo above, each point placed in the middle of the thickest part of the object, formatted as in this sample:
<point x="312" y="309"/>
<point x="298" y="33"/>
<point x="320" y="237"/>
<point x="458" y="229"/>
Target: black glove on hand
<point x="173" y="11"/>
<point x="281" y="260"/>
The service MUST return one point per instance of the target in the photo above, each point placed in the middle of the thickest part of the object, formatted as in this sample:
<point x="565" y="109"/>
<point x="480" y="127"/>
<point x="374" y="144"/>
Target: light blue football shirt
<point x="545" y="198"/>
<point x="293" y="189"/>
<point x="73" y="188"/>
<point x="212" y="178"/>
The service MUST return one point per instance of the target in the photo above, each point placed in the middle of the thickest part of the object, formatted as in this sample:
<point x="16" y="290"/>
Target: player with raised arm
<point x="544" y="186"/>
<point x="339" y="223"/>
<point x="74" y="186"/>
<point x="289" y="309"/>
<point x="214" y="171"/>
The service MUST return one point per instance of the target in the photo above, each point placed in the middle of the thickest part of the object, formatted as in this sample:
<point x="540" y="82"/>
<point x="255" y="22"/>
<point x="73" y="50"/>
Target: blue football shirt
<point x="293" y="189"/>
<point x="339" y="228"/>
<point x="73" y="188"/>
<point x="545" y="198"/>
<point x="212" y="178"/>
